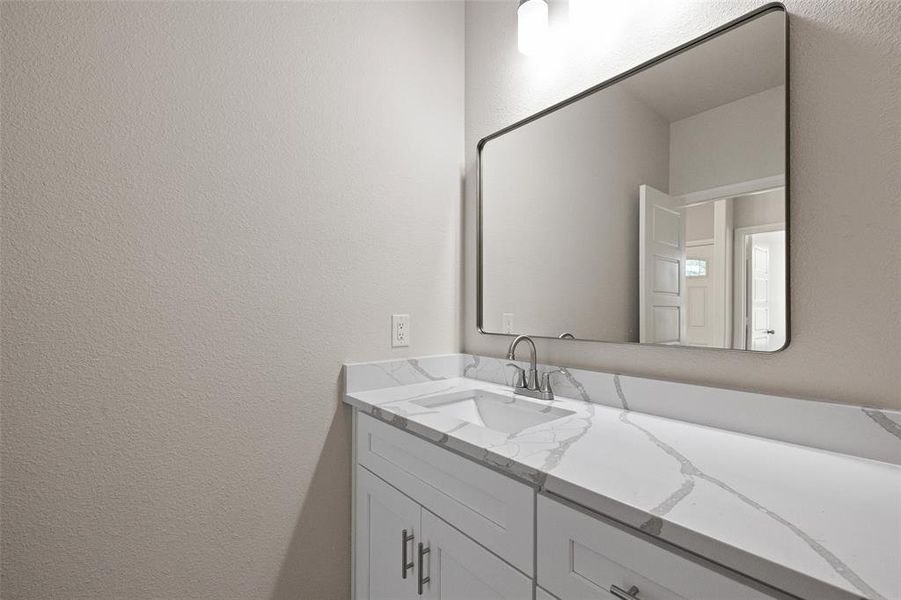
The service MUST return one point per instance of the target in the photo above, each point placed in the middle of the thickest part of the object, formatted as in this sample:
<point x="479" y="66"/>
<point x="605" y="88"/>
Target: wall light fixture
<point x="532" y="25"/>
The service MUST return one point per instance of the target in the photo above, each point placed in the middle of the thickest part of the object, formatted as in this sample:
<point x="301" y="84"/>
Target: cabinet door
<point x="382" y="515"/>
<point x="457" y="568"/>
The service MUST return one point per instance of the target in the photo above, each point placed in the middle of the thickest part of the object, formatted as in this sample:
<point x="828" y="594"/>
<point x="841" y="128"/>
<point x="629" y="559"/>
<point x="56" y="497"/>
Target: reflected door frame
<point x="742" y="238"/>
<point x="731" y="252"/>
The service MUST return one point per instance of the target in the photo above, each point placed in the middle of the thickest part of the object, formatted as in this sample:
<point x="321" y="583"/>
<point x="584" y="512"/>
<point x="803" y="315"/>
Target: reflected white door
<point x="765" y="289"/>
<point x="661" y="251"/>
<point x="700" y="274"/>
<point x="760" y="297"/>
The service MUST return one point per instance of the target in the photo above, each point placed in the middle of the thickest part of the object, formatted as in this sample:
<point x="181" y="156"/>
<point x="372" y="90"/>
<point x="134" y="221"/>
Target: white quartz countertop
<point x="814" y="523"/>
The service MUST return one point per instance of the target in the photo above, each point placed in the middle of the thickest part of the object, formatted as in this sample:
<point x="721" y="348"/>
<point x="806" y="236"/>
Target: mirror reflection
<point x="651" y="210"/>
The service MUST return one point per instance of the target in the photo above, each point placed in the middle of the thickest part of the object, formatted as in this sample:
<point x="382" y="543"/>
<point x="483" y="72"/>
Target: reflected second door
<point x="700" y="275"/>
<point x="766" y="302"/>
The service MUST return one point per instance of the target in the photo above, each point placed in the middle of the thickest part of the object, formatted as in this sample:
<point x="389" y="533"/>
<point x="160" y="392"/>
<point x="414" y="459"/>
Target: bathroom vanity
<point x="433" y="524"/>
<point x="649" y="209"/>
<point x="465" y="490"/>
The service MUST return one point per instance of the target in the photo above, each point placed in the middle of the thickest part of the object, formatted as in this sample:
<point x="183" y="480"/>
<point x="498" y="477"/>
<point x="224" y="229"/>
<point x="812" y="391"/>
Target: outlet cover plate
<point x="400" y="331"/>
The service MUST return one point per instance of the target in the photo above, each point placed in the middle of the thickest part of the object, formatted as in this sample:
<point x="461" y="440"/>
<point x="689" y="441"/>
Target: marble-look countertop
<point x="813" y="523"/>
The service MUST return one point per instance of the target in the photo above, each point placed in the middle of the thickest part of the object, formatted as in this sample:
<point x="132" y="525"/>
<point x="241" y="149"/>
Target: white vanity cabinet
<point x="431" y="524"/>
<point x="495" y="510"/>
<point x="403" y="551"/>
<point x="476" y="526"/>
<point x="387" y="529"/>
<point x="460" y="569"/>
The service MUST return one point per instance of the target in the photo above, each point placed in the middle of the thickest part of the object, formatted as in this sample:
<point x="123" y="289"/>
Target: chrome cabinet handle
<point x="771" y="331"/>
<point x="404" y="565"/>
<point x="422" y="581"/>
<point x="622" y="594"/>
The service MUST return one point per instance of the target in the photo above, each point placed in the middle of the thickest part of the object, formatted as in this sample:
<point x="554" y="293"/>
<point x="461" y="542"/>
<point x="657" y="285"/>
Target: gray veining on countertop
<point x="884" y="421"/>
<point x="797" y="517"/>
<point x="864" y="432"/>
<point x="690" y="472"/>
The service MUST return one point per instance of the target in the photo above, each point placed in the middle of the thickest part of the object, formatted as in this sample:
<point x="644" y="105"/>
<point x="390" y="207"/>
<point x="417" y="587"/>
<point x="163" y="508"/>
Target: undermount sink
<point x="507" y="414"/>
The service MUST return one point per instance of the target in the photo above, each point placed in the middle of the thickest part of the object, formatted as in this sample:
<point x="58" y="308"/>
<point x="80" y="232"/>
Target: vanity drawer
<point x="494" y="510"/>
<point x="581" y="557"/>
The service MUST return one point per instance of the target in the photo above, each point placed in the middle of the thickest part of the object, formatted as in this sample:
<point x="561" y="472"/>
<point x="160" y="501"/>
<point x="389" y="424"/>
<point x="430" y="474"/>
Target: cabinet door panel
<point x="382" y="514"/>
<point x="460" y="569"/>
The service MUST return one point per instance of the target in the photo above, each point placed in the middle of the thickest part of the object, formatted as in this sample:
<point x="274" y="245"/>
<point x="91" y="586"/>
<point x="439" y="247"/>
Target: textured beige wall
<point x="846" y="186"/>
<point x="736" y="142"/>
<point x="759" y="209"/>
<point x="207" y="207"/>
<point x="556" y="283"/>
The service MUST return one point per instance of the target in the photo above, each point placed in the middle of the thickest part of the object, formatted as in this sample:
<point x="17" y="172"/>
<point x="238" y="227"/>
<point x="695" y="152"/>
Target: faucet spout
<point x="528" y="383"/>
<point x="532" y="375"/>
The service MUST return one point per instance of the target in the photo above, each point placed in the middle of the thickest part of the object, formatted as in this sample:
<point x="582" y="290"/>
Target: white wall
<point x="699" y="222"/>
<point x="554" y="282"/>
<point x="732" y="143"/>
<point x="207" y="207"/>
<point x="766" y="208"/>
<point x="845" y="126"/>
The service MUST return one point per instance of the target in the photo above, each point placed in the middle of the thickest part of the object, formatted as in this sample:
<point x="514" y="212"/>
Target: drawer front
<point x="580" y="557"/>
<point x="492" y="509"/>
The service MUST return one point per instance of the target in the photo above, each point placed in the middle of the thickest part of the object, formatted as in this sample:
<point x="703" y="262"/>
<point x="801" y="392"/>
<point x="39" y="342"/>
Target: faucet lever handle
<point x="519" y="379"/>
<point x="546" y="380"/>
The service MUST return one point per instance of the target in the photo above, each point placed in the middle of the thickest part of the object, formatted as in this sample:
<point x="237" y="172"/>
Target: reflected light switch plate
<point x="508" y="322"/>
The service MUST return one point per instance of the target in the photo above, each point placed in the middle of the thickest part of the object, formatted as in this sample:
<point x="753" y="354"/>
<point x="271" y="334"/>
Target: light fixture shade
<point x="533" y="27"/>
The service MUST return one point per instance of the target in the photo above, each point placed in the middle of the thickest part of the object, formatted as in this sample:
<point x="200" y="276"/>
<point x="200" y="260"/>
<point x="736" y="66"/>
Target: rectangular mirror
<point x="651" y="208"/>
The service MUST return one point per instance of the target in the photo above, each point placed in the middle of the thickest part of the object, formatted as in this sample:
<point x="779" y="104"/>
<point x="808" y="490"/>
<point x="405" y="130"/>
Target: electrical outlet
<point x="508" y="322"/>
<point x="400" y="331"/>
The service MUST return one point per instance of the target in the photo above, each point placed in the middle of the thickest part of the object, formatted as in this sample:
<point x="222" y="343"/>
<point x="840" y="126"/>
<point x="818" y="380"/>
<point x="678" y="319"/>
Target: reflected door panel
<point x="699" y="274"/>
<point x="661" y="259"/>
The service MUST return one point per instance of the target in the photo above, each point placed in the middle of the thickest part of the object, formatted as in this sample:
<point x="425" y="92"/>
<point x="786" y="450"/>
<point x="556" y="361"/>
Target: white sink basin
<point x="507" y="414"/>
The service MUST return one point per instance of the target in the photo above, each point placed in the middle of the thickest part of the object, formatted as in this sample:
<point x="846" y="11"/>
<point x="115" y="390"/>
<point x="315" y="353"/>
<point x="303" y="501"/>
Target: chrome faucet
<point x="528" y="383"/>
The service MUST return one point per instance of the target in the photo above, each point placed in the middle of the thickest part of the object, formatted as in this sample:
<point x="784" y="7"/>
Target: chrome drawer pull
<point x="422" y="582"/>
<point x="622" y="594"/>
<point x="404" y="565"/>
